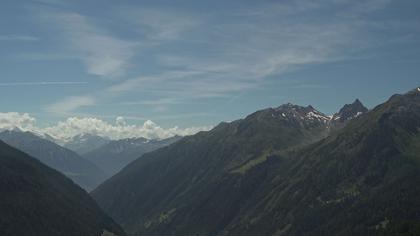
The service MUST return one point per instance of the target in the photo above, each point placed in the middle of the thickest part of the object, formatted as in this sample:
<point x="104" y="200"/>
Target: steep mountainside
<point x="36" y="200"/>
<point x="363" y="180"/>
<point x="84" y="143"/>
<point x="244" y="178"/>
<point x="80" y="170"/>
<point x="178" y="180"/>
<point x="115" y="155"/>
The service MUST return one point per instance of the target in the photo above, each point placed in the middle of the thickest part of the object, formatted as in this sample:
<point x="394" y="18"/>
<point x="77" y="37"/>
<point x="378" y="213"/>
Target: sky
<point x="159" y="68"/>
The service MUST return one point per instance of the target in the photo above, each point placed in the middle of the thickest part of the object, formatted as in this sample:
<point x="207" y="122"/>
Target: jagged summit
<point x="308" y="113"/>
<point x="267" y="175"/>
<point x="349" y="111"/>
<point x="308" y="116"/>
<point x="289" y="107"/>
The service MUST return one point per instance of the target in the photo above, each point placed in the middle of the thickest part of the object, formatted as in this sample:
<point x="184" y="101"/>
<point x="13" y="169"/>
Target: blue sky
<point x="196" y="63"/>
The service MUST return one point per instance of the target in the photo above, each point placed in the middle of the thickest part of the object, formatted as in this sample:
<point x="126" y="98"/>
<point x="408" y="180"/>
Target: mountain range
<point x="37" y="200"/>
<point x="116" y="154"/>
<point x="100" y="159"/>
<point x="289" y="170"/>
<point x="84" y="143"/>
<point x="77" y="168"/>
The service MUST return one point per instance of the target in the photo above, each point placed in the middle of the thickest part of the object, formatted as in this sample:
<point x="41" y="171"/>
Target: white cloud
<point x="265" y="47"/>
<point x="120" y="121"/>
<point x="213" y="55"/>
<point x="12" y="120"/>
<point x="102" y="53"/>
<point x="240" y="52"/>
<point x="161" y="24"/>
<point x="157" y="102"/>
<point x="74" y="126"/>
<point x="65" y="130"/>
<point x="70" y="104"/>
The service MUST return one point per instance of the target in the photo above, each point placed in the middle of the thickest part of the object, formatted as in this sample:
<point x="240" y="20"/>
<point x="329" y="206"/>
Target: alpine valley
<point x="289" y="170"/>
<point x="77" y="168"/>
<point x="210" y="118"/>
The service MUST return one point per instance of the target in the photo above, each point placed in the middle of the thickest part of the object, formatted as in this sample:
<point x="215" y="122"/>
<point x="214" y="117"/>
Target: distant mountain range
<point x="77" y="168"/>
<point x="37" y="200"/>
<point x="101" y="157"/>
<point x="84" y="143"/>
<point x="116" y="154"/>
<point x="289" y="170"/>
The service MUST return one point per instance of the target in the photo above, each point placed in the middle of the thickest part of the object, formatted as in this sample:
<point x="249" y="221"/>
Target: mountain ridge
<point x="114" y="155"/>
<point x="66" y="161"/>
<point x="229" y="149"/>
<point x="84" y="143"/>
<point x="38" y="200"/>
<point x="348" y="112"/>
<point x="269" y="174"/>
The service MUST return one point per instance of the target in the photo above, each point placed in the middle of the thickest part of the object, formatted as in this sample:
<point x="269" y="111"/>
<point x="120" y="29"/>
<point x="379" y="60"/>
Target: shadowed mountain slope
<point x="277" y="173"/>
<point x="183" y="175"/>
<point x="36" y="200"/>
<point x="80" y="170"/>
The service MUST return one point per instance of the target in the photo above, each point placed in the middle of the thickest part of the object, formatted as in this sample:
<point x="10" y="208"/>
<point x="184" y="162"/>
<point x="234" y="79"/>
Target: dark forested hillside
<point x="363" y="180"/>
<point x="193" y="179"/>
<point x="36" y="200"/>
<point x="270" y="174"/>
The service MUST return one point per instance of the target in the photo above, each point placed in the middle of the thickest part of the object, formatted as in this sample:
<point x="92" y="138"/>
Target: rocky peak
<point x="350" y="111"/>
<point x="307" y="117"/>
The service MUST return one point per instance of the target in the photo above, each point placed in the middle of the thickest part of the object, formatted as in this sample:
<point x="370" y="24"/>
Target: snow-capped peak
<point x="303" y="116"/>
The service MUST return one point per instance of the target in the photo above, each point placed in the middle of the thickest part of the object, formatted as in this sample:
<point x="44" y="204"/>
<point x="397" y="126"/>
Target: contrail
<point x="39" y="83"/>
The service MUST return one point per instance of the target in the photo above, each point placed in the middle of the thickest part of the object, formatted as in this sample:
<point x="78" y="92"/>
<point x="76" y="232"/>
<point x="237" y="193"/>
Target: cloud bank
<point x="12" y="120"/>
<point x="72" y="126"/>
